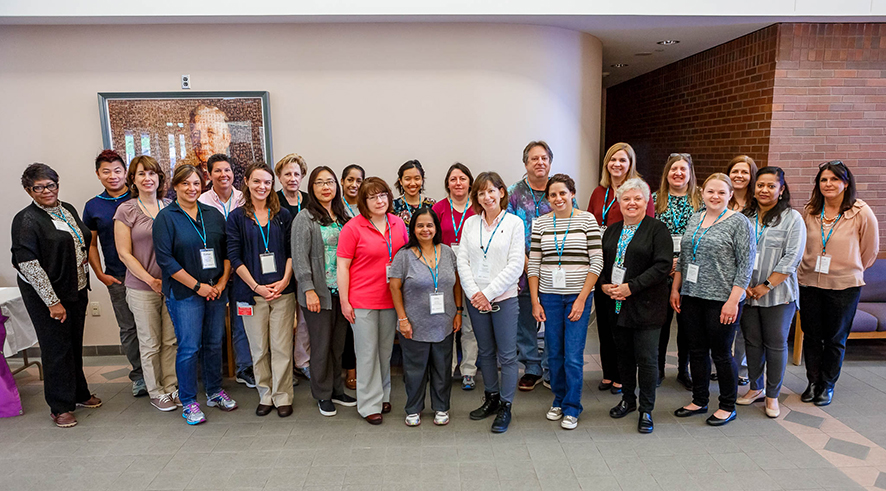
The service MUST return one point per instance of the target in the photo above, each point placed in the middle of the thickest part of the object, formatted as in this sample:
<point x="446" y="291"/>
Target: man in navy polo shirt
<point x="98" y="215"/>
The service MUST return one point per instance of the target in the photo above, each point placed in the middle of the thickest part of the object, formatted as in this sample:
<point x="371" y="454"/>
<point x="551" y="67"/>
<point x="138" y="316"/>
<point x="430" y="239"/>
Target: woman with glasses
<point x="427" y="298"/>
<point x="843" y="241"/>
<point x="780" y="235"/>
<point x="490" y="261"/>
<point x="366" y="248"/>
<point x="351" y="178"/>
<point x="315" y="235"/>
<point x="676" y="200"/>
<point x="411" y="184"/>
<point x="49" y="252"/>
<point x="565" y="260"/>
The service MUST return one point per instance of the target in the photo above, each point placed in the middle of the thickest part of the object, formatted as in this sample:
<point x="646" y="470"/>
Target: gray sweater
<point x="725" y="257"/>
<point x="308" y="261"/>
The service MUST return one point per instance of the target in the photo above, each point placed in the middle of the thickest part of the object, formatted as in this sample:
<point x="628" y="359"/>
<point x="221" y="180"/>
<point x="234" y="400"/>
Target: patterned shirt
<point x="404" y="210"/>
<point x="330" y="244"/>
<point x="581" y="251"/>
<point x="678" y="213"/>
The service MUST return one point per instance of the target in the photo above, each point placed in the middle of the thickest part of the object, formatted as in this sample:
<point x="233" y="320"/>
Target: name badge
<point x="454" y="248"/>
<point x="208" y="258"/>
<point x="61" y="226"/>
<point x="437" y="304"/>
<point x="268" y="264"/>
<point x="692" y="273"/>
<point x="244" y="309"/>
<point x="602" y="229"/>
<point x="678" y="240"/>
<point x="823" y="264"/>
<point x="484" y="272"/>
<point x="559" y="280"/>
<point x="388" y="273"/>
<point x="618" y="275"/>
<point x="756" y="261"/>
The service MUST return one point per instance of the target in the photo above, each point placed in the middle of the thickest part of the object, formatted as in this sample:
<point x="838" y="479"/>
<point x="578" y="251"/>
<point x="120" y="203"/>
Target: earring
<point x="780" y="197"/>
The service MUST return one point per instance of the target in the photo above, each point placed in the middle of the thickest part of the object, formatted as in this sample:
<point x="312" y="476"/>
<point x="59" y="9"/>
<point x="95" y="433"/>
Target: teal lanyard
<point x="264" y="237"/>
<point x="389" y="240"/>
<point x="159" y="207"/>
<point x="758" y="233"/>
<point x="297" y="202"/>
<point x="194" y="224"/>
<point x="409" y="207"/>
<point x="486" y="249"/>
<point x="113" y="199"/>
<point x="557" y="246"/>
<point x="824" y="241"/>
<point x="61" y="217"/>
<point x="461" y="221"/>
<point x="606" y="208"/>
<point x="696" y="244"/>
<point x="538" y="202"/>
<point x="434" y="272"/>
<point x="350" y="210"/>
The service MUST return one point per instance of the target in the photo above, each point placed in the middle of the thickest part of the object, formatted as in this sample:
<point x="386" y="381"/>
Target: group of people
<point x="325" y="282"/>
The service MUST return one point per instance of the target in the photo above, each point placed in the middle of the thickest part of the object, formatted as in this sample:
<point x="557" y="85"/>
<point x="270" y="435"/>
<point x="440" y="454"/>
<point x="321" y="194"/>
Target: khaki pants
<point x="269" y="330"/>
<point x="374" y="341"/>
<point x="156" y="340"/>
<point x="301" y="350"/>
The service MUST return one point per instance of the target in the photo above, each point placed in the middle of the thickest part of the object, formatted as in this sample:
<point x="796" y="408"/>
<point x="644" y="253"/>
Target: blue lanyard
<point x="606" y="208"/>
<point x="264" y="237"/>
<point x="74" y="229"/>
<point x="159" y="207"/>
<point x="436" y="270"/>
<point x="696" y="244"/>
<point x="759" y="233"/>
<point x="193" y="223"/>
<point x="538" y="202"/>
<point x="112" y="198"/>
<point x="557" y="246"/>
<point x="824" y="241"/>
<point x="350" y="210"/>
<point x="297" y="202"/>
<point x="486" y="249"/>
<point x="409" y="207"/>
<point x="389" y="240"/>
<point x="226" y="206"/>
<point x="461" y="221"/>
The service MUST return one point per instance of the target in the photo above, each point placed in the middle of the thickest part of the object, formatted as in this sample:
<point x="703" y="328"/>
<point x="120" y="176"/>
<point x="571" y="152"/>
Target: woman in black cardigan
<point x="637" y="257"/>
<point x="49" y="250"/>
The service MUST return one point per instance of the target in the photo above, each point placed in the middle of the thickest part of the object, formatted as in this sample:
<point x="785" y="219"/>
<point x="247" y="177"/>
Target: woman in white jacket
<point x="490" y="261"/>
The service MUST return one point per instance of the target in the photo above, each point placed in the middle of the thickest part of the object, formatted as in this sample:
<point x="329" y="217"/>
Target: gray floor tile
<point x="881" y="481"/>
<point x="804" y="419"/>
<point x="849" y="449"/>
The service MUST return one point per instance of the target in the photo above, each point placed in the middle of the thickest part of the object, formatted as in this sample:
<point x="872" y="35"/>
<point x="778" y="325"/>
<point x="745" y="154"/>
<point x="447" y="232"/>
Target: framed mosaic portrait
<point x="178" y="128"/>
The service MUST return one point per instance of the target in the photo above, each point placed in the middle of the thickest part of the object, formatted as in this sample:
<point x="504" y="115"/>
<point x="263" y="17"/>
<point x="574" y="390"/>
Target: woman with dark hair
<point x="453" y="212"/>
<point x="565" y="260"/>
<point x="315" y="236"/>
<point x="831" y="274"/>
<point x="191" y="250"/>
<point x="49" y="251"/>
<point x="366" y="248"/>
<point x="490" y="262"/>
<point x="351" y="178"/>
<point x="259" y="250"/>
<point x="771" y="303"/>
<point x="410" y="183"/>
<point x="133" y="234"/>
<point x="427" y="298"/>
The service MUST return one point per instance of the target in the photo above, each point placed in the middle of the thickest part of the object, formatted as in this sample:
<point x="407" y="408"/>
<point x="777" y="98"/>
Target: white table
<point x="20" y="334"/>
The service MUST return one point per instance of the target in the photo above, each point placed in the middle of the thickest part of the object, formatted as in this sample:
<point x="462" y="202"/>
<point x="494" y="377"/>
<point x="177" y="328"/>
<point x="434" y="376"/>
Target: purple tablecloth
<point x="10" y="402"/>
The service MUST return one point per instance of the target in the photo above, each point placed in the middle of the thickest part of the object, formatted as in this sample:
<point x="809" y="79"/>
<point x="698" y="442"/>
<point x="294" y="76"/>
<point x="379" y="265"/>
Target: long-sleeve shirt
<point x="505" y="256"/>
<point x="725" y="257"/>
<point x="579" y="241"/>
<point x="246" y="245"/>
<point x="853" y="247"/>
<point x="779" y="248"/>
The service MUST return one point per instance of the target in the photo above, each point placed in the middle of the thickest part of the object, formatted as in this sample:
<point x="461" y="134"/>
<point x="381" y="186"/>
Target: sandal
<point x="351" y="380"/>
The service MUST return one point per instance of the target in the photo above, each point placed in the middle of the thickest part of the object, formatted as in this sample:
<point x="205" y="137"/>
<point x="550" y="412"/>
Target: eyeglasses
<point x="378" y="197"/>
<point x="495" y="308"/>
<point x="40" y="187"/>
<point x="684" y="156"/>
<point x="321" y="184"/>
<point x="835" y="163"/>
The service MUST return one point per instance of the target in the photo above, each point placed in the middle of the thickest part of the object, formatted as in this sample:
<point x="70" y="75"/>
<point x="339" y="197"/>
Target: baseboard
<point x="101" y="350"/>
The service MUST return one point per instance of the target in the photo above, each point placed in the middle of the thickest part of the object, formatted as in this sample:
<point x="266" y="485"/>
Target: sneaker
<point x="467" y="382"/>
<point x="175" y="399"/>
<point x="247" y="377"/>
<point x="547" y="384"/>
<point x="222" y="401"/>
<point x="327" y="408"/>
<point x="441" y="418"/>
<point x="554" y="413"/>
<point x="193" y="415"/>
<point x="344" y="400"/>
<point x="569" y="422"/>
<point x="529" y="381"/>
<point x="303" y="372"/>
<point x="413" y="420"/>
<point x="163" y="403"/>
<point x="139" y="389"/>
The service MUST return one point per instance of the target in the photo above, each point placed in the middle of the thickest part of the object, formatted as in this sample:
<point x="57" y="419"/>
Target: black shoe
<point x="529" y="381"/>
<point x="685" y="380"/>
<point x="604" y="386"/>
<point x="660" y="380"/>
<point x="645" y="423"/>
<point x="263" y="410"/>
<point x="490" y="406"/>
<point x="246" y="376"/>
<point x="824" y="397"/>
<point x="714" y="376"/>
<point x="615" y="390"/>
<point x="344" y="400"/>
<point x="715" y="421"/>
<point x="685" y="413"/>
<point x="327" y="408"/>
<point x="811" y="392"/>
<point x="622" y="409"/>
<point x="743" y="381"/>
<point x="503" y="418"/>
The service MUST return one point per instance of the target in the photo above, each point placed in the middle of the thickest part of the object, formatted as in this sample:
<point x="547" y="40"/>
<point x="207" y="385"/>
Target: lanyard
<point x="410" y="208"/>
<point x="436" y="270"/>
<point x="61" y="216"/>
<point x="538" y="202"/>
<point x="627" y="234"/>
<point x="226" y="205"/>
<point x="696" y="244"/>
<point x="486" y="249"/>
<point x="389" y="240"/>
<point x="824" y="241"/>
<point x="350" y="210"/>
<point x="758" y="233"/>
<point x="461" y="221"/>
<point x="112" y="198"/>
<point x="194" y="224"/>
<point x="159" y="207"/>
<point x="606" y="208"/>
<point x="297" y="202"/>
<point x="264" y="237"/>
<point x="557" y="246"/>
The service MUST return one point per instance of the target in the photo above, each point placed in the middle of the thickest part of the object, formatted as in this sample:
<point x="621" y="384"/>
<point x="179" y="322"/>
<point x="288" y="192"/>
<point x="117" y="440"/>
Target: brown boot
<point x="64" y="420"/>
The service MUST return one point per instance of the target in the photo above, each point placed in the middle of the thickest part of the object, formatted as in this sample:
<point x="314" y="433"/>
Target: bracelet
<point x="256" y="286"/>
<point x="403" y="319"/>
<point x="459" y="309"/>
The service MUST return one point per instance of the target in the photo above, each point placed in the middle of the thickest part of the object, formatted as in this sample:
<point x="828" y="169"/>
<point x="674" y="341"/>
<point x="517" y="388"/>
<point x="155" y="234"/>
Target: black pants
<point x="349" y="356"/>
<point x="682" y="344"/>
<point x="637" y="356"/>
<point x="423" y="361"/>
<point x="709" y="339"/>
<point x="826" y="317"/>
<point x="606" y="320"/>
<point x="61" y="349"/>
<point x="327" y="330"/>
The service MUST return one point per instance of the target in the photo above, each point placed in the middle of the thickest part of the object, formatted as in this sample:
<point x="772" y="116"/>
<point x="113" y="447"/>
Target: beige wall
<point x="374" y="94"/>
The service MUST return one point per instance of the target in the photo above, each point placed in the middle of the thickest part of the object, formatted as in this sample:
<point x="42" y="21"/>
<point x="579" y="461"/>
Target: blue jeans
<point x="496" y="334"/>
<point x="242" y="355"/>
<point x="527" y="339"/>
<point x="199" y="325"/>
<point x="565" y="344"/>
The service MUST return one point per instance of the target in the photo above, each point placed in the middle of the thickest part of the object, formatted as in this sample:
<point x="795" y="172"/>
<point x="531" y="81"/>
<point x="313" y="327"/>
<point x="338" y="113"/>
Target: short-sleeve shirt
<point x="450" y="218"/>
<point x="418" y="284"/>
<point x="141" y="228"/>
<point x="361" y="242"/>
<point x="98" y="215"/>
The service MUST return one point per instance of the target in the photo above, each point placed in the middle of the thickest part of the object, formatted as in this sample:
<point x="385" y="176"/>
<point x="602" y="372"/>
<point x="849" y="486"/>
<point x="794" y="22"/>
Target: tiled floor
<point x="128" y="445"/>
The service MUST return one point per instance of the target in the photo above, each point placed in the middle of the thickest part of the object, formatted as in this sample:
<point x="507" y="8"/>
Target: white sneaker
<point x="441" y="418"/>
<point x="569" y="422"/>
<point x="413" y="420"/>
<point x="554" y="413"/>
<point x="222" y="401"/>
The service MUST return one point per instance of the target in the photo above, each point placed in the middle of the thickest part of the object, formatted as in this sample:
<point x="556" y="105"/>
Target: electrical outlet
<point x="95" y="309"/>
<point x="186" y="81"/>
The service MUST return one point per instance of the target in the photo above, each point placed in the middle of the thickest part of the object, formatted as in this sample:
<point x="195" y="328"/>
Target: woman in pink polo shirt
<point x="366" y="248"/>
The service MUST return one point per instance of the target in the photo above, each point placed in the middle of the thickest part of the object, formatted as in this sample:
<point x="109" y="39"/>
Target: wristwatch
<point x="768" y="285"/>
<point x="196" y="287"/>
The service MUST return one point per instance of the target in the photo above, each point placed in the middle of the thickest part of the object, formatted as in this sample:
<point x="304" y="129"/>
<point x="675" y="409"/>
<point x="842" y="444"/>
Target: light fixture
<point x="645" y="53"/>
<point x="619" y="65"/>
<point x="668" y="42"/>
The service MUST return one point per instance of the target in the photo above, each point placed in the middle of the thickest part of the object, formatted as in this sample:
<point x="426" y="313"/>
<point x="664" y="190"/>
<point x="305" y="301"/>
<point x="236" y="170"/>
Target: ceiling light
<point x="668" y="42"/>
<point x="646" y="53"/>
<point x="619" y="65"/>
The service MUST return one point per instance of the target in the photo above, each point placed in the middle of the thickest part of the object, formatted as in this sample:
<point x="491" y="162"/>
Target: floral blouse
<point x="404" y="210"/>
<point x="677" y="215"/>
